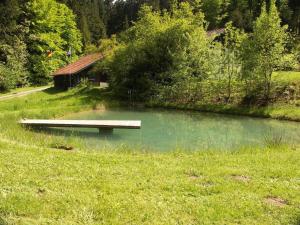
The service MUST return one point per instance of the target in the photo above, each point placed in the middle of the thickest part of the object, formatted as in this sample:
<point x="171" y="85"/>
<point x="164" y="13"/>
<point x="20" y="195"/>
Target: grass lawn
<point x="43" y="185"/>
<point x="287" y="76"/>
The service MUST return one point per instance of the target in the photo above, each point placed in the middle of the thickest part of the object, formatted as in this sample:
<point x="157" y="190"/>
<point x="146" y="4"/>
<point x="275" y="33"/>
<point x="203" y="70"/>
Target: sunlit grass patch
<point x="287" y="76"/>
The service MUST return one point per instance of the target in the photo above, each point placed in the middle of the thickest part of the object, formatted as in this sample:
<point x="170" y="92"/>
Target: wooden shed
<point x="72" y="74"/>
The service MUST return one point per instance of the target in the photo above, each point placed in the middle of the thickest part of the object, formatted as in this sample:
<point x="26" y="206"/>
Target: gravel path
<point x="23" y="93"/>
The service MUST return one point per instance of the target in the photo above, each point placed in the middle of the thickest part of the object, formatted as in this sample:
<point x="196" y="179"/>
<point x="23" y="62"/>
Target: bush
<point x="151" y="50"/>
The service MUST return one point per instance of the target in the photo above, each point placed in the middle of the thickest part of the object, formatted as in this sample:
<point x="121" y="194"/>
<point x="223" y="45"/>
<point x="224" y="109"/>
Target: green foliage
<point x="90" y="48"/>
<point x="263" y="51"/>
<point x="13" y="72"/>
<point x="151" y="49"/>
<point x="297" y="50"/>
<point x="169" y="57"/>
<point x="231" y="54"/>
<point x="289" y="61"/>
<point x="216" y="12"/>
<point x="13" y="55"/>
<point x="165" y="53"/>
<point x="108" y="46"/>
<point x="91" y="18"/>
<point x="210" y="70"/>
<point x="53" y="32"/>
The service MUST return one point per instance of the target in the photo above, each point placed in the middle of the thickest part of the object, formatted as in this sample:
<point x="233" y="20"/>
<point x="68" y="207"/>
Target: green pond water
<point x="165" y="130"/>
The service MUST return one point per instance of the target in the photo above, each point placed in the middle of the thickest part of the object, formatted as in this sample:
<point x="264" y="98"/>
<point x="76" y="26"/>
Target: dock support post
<point x="106" y="130"/>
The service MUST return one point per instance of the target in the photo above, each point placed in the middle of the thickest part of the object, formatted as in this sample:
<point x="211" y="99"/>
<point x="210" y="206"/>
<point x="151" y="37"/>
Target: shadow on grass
<point x="2" y="221"/>
<point x="297" y="222"/>
<point x="86" y="95"/>
<point x="86" y="134"/>
<point x="53" y="91"/>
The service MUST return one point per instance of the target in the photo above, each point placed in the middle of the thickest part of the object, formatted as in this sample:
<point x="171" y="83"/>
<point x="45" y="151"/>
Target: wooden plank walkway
<point x="101" y="124"/>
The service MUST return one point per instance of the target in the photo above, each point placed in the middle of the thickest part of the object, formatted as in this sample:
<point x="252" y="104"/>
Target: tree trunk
<point x="268" y="77"/>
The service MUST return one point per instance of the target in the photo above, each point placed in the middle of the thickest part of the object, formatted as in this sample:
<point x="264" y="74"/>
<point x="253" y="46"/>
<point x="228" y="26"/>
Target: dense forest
<point x="38" y="36"/>
<point x="98" y="18"/>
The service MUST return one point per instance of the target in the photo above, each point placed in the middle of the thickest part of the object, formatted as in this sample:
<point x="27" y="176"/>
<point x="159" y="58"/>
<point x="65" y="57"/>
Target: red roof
<point x="81" y="64"/>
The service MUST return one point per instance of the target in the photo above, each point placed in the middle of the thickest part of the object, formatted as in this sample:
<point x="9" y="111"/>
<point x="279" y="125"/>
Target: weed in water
<point x="274" y="140"/>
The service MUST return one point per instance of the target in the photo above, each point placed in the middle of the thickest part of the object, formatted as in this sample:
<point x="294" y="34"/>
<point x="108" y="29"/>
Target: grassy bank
<point x="286" y="91"/>
<point x="277" y="111"/>
<point x="41" y="184"/>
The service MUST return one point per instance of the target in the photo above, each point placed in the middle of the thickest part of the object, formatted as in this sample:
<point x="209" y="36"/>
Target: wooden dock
<point x="102" y="125"/>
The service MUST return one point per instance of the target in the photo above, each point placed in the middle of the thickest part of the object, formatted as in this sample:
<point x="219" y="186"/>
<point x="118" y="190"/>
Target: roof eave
<point x="76" y="72"/>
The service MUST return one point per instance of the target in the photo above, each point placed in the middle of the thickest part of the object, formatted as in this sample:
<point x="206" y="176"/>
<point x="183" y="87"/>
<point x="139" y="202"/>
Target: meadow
<point x="44" y="184"/>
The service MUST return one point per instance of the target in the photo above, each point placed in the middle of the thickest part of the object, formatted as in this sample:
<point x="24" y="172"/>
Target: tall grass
<point x="274" y="140"/>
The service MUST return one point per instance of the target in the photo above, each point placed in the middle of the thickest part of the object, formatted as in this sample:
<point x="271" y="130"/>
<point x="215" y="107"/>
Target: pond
<point x="164" y="130"/>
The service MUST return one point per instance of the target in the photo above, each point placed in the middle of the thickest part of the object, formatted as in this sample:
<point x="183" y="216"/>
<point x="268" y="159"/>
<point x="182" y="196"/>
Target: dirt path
<point x="23" y="93"/>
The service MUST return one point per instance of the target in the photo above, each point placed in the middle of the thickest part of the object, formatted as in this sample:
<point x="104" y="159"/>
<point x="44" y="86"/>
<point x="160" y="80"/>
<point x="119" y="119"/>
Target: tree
<point x="264" y="49"/>
<point x="86" y="33"/>
<point x="233" y="40"/>
<point x="13" y="55"/>
<point x="91" y="17"/>
<point x="216" y="12"/>
<point x="53" y="32"/>
<point x="13" y="71"/>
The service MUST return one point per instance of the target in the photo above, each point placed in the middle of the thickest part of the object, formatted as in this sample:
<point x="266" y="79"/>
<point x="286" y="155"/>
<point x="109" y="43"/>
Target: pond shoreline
<point x="277" y="112"/>
<point x="287" y="112"/>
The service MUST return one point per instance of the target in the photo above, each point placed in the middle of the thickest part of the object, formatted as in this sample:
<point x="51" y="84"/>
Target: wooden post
<point x="106" y="130"/>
